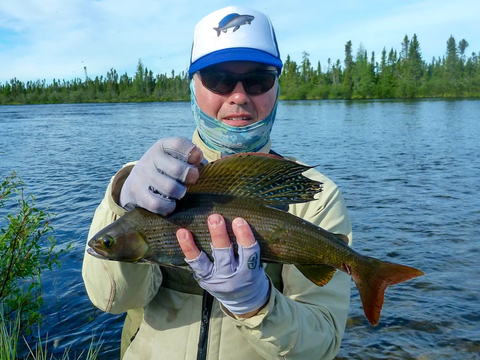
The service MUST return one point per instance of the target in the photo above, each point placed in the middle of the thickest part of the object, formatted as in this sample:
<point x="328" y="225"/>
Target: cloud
<point x="46" y="39"/>
<point x="60" y="38"/>
<point x="377" y="25"/>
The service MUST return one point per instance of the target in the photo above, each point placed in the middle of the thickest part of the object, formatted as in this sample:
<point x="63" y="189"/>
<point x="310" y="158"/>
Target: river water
<point x="409" y="172"/>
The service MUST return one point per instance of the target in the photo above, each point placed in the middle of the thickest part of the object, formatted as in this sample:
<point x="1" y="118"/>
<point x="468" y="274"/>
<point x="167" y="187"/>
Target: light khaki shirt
<point x="301" y="320"/>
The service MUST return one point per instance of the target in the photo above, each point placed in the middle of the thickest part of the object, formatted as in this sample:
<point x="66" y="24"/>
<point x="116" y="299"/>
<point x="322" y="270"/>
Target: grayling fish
<point x="248" y="186"/>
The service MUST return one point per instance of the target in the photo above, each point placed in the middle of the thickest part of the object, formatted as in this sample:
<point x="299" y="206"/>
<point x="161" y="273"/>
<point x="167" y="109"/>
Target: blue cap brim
<point x="235" y="54"/>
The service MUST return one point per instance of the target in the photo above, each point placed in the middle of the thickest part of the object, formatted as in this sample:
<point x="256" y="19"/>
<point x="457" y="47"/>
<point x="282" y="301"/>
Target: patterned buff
<point x="228" y="139"/>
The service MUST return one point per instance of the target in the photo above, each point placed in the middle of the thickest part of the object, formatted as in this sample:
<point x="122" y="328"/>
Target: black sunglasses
<point x="223" y="83"/>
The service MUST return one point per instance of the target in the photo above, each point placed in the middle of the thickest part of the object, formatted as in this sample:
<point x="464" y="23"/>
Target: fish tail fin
<point x="218" y="31"/>
<point x="372" y="283"/>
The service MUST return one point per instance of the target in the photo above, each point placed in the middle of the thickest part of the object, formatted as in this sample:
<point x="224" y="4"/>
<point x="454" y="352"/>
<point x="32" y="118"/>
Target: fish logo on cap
<point x="233" y="20"/>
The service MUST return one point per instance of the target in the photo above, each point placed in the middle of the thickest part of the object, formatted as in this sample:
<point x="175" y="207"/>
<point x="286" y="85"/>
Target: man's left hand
<point x="239" y="283"/>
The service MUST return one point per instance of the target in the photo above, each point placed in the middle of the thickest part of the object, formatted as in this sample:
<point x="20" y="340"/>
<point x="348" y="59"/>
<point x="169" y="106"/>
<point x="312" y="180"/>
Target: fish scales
<point x="247" y="185"/>
<point x="282" y="237"/>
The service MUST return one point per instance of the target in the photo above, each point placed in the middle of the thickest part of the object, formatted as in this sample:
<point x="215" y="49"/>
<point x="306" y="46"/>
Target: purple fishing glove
<point x="240" y="284"/>
<point x="160" y="175"/>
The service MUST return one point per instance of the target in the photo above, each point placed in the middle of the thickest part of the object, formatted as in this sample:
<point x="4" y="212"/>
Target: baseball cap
<point x="234" y="34"/>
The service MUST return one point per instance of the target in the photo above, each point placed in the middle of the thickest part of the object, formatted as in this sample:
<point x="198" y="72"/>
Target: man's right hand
<point x="161" y="174"/>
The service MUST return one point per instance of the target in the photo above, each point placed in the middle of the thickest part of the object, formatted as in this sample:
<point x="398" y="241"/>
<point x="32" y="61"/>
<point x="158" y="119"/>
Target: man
<point x="222" y="312"/>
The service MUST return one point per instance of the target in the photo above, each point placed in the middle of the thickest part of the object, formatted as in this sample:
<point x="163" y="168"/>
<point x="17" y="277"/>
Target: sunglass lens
<point x="255" y="83"/>
<point x="219" y="83"/>
<point x="259" y="83"/>
<point x="226" y="84"/>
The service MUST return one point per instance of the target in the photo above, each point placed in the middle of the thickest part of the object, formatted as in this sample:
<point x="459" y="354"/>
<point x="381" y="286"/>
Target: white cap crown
<point x="234" y="34"/>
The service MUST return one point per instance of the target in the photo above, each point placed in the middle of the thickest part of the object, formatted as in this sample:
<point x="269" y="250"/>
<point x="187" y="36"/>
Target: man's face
<point x="236" y="108"/>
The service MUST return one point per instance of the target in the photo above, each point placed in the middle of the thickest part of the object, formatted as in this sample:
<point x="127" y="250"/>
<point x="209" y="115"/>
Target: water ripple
<point x="408" y="171"/>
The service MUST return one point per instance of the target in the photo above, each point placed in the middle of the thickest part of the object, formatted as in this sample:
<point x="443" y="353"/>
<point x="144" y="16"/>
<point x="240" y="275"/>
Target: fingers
<point x="181" y="148"/>
<point x="219" y="235"/>
<point x="218" y="231"/>
<point x="174" y="167"/>
<point x="185" y="239"/>
<point x="202" y="267"/>
<point x="243" y="232"/>
<point x="192" y="176"/>
<point x="238" y="282"/>
<point x="156" y="203"/>
<point x="162" y="184"/>
<point x="161" y="175"/>
<point x="176" y="157"/>
<point x="195" y="157"/>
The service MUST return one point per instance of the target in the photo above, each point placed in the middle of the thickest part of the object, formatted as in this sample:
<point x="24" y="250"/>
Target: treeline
<point x="143" y="86"/>
<point x="397" y="75"/>
<point x="401" y="74"/>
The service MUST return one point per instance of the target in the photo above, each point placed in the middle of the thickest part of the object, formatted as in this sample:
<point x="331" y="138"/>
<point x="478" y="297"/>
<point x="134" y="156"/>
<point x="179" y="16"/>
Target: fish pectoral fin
<point x="320" y="275"/>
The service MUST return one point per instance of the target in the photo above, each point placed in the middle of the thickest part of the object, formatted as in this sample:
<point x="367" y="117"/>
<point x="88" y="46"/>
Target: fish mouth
<point x="97" y="254"/>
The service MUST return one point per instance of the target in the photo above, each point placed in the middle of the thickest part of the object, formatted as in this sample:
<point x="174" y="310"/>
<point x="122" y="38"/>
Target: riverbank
<point x="187" y="99"/>
<point x="402" y="75"/>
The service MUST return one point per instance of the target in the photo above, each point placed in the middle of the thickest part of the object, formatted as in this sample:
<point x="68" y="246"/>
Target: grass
<point x="10" y="335"/>
<point x="25" y="251"/>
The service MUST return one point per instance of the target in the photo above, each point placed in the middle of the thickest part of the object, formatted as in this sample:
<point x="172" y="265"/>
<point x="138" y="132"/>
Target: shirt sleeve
<point x="114" y="286"/>
<point x="305" y="321"/>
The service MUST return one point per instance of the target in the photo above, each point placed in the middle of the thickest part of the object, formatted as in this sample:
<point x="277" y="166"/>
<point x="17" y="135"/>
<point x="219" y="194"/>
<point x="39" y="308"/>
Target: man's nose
<point x="238" y="96"/>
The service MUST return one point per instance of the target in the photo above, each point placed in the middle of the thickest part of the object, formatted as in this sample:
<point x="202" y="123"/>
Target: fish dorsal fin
<point x="265" y="177"/>
<point x="320" y="275"/>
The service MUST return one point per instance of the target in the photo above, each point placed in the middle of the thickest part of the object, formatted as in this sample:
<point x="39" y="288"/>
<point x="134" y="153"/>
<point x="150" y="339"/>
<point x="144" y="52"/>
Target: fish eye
<point x="108" y="241"/>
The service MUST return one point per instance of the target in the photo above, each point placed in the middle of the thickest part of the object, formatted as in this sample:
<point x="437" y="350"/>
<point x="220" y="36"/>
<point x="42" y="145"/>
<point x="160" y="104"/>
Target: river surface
<point x="409" y="172"/>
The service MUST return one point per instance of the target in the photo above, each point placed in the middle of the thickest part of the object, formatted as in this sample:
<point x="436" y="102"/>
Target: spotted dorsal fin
<point x="269" y="178"/>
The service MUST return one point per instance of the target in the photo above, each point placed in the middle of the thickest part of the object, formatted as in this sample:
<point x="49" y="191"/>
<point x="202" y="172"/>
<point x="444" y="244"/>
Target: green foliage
<point x="143" y="87"/>
<point x="10" y="333"/>
<point x="398" y="75"/>
<point x="349" y="69"/>
<point x="25" y="251"/>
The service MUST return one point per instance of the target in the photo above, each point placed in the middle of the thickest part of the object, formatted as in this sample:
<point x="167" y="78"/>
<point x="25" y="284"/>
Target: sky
<point x="47" y="39"/>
